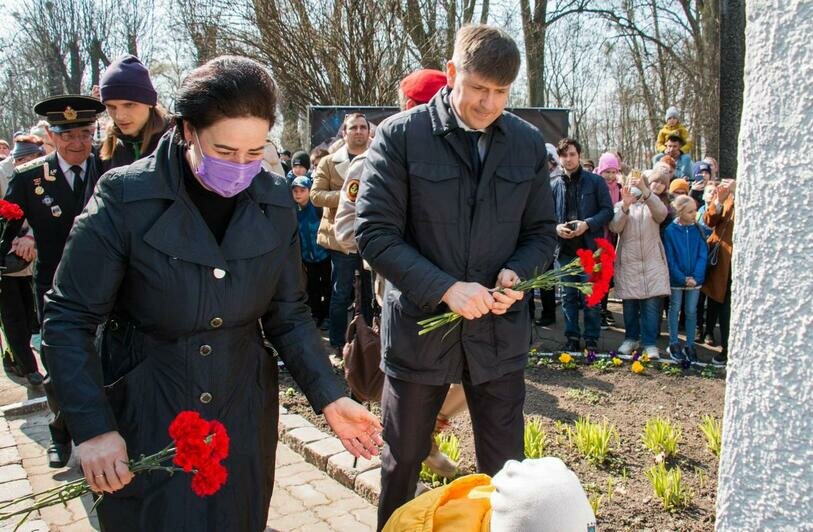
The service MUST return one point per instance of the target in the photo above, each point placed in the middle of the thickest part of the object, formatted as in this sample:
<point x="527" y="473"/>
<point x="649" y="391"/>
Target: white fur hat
<point x="539" y="495"/>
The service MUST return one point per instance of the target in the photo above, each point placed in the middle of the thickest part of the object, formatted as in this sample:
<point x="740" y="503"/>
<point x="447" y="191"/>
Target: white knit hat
<point x="540" y="495"/>
<point x="672" y="112"/>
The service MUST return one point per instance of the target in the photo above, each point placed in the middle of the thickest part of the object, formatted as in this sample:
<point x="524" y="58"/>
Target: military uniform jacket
<point x="41" y="190"/>
<point x="182" y="321"/>
<point x="424" y="221"/>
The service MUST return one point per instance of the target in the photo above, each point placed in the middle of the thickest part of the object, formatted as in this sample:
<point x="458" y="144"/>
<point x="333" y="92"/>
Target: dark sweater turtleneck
<point x="214" y="208"/>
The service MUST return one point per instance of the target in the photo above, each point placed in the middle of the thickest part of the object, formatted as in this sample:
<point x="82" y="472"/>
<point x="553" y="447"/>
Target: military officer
<point x="51" y="191"/>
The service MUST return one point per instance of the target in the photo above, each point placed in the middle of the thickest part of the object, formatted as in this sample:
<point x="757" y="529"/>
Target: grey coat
<point x="424" y="222"/>
<point x="182" y="319"/>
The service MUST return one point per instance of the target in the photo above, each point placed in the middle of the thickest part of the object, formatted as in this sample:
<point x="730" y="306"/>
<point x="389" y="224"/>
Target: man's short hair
<point x="487" y="51"/>
<point x="565" y="143"/>
<point x="676" y="138"/>
<point x="352" y="116"/>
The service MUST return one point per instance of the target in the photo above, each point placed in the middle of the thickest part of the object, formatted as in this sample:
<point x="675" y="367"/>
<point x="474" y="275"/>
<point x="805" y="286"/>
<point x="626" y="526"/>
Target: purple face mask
<point x="225" y="177"/>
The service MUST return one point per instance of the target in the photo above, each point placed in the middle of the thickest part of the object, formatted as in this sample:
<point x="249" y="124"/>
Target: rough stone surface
<point x="289" y="422"/>
<point x="320" y="451"/>
<point x="766" y="467"/>
<point x="299" y="438"/>
<point x="368" y="485"/>
<point x="340" y="467"/>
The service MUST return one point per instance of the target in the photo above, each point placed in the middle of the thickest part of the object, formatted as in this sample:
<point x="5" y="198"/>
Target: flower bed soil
<point x="626" y="400"/>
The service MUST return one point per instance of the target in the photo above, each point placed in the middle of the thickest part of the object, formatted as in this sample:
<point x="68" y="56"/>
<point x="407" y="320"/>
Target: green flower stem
<point x="546" y="281"/>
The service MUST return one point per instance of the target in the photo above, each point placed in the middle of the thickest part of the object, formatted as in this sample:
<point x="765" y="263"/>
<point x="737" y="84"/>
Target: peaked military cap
<point x="69" y="111"/>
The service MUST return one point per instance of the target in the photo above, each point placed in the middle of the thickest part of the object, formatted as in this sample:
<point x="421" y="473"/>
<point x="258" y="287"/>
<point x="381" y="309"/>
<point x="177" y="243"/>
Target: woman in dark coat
<point x="138" y="120"/>
<point x="182" y="256"/>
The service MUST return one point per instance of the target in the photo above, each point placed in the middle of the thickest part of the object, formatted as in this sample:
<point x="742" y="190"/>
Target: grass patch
<point x="583" y="395"/>
<point x="592" y="440"/>
<point x="712" y="429"/>
<point x="661" y="436"/>
<point x="535" y="440"/>
<point x="669" y="487"/>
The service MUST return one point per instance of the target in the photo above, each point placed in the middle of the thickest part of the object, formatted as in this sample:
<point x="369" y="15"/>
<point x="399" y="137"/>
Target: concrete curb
<point x="327" y="454"/>
<point x="24" y="407"/>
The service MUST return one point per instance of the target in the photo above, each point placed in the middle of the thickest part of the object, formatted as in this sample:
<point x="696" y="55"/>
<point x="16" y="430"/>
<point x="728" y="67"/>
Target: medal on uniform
<point x="37" y="182"/>
<point x="39" y="191"/>
<point x="56" y="212"/>
<point x="50" y="175"/>
<point x="47" y="201"/>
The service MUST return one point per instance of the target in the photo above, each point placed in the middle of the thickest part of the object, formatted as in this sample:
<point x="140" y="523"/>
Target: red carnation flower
<point x="10" y="211"/>
<point x="189" y="431"/>
<point x="587" y="260"/>
<point x="209" y="478"/>
<point x="220" y="440"/>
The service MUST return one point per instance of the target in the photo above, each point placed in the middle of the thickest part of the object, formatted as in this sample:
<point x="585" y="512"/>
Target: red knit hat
<point x="420" y="86"/>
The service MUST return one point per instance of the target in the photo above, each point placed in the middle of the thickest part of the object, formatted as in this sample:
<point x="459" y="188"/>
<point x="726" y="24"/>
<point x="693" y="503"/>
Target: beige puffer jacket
<point x="327" y="184"/>
<point x="641" y="271"/>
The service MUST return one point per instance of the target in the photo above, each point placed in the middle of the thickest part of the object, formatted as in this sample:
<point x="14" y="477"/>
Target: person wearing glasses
<point x="51" y="191"/>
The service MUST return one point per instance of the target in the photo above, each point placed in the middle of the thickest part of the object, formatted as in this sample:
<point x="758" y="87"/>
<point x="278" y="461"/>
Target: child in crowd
<point x="641" y="272"/>
<point x="702" y="176"/>
<point x="300" y="166"/>
<point x="673" y="127"/>
<point x="609" y="168"/>
<point x="679" y="187"/>
<point x="686" y="255"/>
<point x="315" y="258"/>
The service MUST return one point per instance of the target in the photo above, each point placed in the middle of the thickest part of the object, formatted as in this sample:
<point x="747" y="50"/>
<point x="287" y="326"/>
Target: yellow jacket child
<point x="673" y="127"/>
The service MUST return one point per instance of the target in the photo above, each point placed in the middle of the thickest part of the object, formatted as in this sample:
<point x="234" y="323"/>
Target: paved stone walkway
<point x="305" y="498"/>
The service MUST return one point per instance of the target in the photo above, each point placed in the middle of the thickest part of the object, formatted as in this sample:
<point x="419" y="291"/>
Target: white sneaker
<point x="627" y="347"/>
<point x="652" y="352"/>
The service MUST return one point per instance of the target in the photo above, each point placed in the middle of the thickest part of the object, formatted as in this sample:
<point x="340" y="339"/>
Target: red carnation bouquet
<point x="10" y="211"/>
<point x="198" y="446"/>
<point x="597" y="265"/>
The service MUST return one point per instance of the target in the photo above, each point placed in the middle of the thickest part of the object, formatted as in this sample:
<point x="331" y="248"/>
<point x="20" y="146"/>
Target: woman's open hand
<point x="357" y="428"/>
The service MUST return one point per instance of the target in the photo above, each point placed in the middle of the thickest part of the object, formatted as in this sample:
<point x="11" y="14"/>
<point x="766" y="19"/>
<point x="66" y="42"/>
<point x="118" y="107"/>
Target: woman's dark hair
<point x="225" y="87"/>
<point x="156" y="125"/>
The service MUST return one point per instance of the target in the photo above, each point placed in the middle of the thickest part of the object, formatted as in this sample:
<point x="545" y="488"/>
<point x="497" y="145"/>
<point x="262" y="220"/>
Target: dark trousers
<point x="317" y="275"/>
<point x="409" y="411"/>
<point x="701" y="314"/>
<point x="344" y="267"/>
<point x="59" y="430"/>
<point x="722" y="312"/>
<point x="17" y="315"/>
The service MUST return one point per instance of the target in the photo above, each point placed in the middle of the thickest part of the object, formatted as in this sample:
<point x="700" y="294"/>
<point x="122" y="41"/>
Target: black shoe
<point x="59" y="454"/>
<point x="35" y="378"/>
<point x="608" y="316"/>
<point x="545" y="321"/>
<point x="676" y="352"/>
<point x="572" y="345"/>
<point x="591" y="345"/>
<point x="721" y="358"/>
<point x="709" y="340"/>
<point x="604" y="324"/>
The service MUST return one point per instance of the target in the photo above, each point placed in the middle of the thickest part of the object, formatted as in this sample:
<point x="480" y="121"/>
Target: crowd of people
<point x="184" y="246"/>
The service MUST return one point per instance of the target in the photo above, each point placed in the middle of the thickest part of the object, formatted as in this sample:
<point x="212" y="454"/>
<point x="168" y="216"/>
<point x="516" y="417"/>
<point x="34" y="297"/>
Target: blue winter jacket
<point x="309" y="218"/>
<point x="686" y="253"/>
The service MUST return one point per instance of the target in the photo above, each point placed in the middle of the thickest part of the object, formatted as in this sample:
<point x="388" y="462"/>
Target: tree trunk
<point x="533" y="28"/>
<point x="732" y="64"/>
<point x="766" y="466"/>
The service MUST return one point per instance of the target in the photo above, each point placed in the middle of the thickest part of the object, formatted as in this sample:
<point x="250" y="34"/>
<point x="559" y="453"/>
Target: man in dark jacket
<point x="51" y="191"/>
<point x="455" y="199"/>
<point x="583" y="208"/>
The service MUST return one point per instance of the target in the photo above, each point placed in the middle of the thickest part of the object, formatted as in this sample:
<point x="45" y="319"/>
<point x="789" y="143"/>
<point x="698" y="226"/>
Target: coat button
<point x="216" y="322"/>
<point x="205" y="350"/>
<point x="206" y="398"/>
<point x="218" y="273"/>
